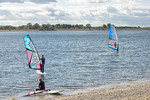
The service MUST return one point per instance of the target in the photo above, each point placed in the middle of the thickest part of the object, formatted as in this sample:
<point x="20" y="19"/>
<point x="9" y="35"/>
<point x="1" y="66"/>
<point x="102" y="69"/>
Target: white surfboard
<point x="39" y="72"/>
<point x="35" y="92"/>
<point x="53" y="91"/>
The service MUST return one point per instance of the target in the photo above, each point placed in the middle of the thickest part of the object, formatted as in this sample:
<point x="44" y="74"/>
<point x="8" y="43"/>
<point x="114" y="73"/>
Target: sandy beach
<point x="139" y="91"/>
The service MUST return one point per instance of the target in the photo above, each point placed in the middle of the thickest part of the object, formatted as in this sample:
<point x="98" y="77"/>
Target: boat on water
<point x="113" y="42"/>
<point x="32" y="55"/>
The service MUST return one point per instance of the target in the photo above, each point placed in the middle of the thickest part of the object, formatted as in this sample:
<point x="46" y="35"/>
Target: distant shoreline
<point x="66" y="27"/>
<point x="16" y="30"/>
<point x="69" y="30"/>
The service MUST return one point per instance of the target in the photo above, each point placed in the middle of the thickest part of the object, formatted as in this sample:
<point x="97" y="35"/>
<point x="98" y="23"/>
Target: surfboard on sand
<point x="53" y="92"/>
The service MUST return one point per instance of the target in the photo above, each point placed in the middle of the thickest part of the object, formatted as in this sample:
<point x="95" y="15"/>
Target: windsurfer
<point x="115" y="45"/>
<point x="43" y="63"/>
<point x="41" y="85"/>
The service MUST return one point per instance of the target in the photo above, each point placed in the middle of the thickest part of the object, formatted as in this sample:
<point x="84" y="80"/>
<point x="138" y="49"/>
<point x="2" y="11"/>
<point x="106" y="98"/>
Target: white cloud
<point x="2" y="17"/>
<point x="42" y="1"/>
<point x="12" y="1"/>
<point x="88" y="1"/>
<point x="96" y="12"/>
<point x="79" y="1"/>
<point x="99" y="1"/>
<point x="85" y="2"/>
<point x="111" y="9"/>
<point x="23" y="1"/>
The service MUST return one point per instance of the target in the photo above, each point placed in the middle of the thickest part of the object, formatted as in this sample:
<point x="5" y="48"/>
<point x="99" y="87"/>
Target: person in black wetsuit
<point x="41" y="85"/>
<point x="43" y="63"/>
<point x="115" y="44"/>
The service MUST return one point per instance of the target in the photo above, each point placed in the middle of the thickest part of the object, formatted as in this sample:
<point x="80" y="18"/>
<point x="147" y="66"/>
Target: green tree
<point x="51" y="27"/>
<point x="29" y="25"/>
<point x="44" y="27"/>
<point x="88" y="25"/>
<point x="36" y="26"/>
<point x="104" y="26"/>
<point x="57" y="26"/>
<point x="108" y="25"/>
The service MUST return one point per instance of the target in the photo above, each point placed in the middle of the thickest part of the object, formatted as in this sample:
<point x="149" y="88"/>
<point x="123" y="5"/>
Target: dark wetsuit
<point x="43" y="63"/>
<point x="41" y="86"/>
<point x="115" y="45"/>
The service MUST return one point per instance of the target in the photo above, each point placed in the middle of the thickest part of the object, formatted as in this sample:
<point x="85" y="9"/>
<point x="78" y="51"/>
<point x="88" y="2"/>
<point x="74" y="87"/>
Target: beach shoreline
<point x="137" y="91"/>
<point x="30" y="30"/>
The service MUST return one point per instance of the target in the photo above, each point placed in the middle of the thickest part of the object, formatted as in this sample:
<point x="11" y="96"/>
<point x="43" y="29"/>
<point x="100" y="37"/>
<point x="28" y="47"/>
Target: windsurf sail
<point x="113" y="38"/>
<point x="32" y="54"/>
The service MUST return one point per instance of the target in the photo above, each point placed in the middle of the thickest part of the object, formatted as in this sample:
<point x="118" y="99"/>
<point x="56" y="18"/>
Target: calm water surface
<point x="75" y="60"/>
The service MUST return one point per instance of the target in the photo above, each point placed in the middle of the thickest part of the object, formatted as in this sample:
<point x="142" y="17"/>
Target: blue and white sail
<point x="113" y="38"/>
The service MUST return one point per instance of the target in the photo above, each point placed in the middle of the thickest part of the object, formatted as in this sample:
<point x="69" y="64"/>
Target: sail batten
<point x="32" y="54"/>
<point x="113" y="38"/>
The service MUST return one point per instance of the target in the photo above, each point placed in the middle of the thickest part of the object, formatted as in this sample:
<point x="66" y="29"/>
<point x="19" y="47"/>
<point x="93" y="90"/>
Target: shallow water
<point x="75" y="60"/>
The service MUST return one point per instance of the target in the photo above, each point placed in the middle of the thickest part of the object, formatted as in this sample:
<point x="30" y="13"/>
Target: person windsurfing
<point x="41" y="85"/>
<point x="115" y="44"/>
<point x="43" y="63"/>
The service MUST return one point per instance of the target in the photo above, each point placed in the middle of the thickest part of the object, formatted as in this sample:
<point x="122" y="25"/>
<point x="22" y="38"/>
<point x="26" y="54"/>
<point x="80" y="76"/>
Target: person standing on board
<point x="43" y="63"/>
<point x="41" y="85"/>
<point x="115" y="45"/>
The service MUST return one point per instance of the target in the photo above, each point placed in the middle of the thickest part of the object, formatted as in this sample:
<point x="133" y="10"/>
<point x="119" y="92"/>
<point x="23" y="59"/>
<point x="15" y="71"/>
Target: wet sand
<point x="139" y="91"/>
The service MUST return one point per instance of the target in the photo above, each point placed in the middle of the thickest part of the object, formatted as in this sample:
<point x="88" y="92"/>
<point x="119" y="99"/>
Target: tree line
<point x="51" y="27"/>
<point x="36" y="26"/>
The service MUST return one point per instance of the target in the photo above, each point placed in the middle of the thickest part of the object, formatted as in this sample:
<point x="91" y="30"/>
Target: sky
<point x="94" y="12"/>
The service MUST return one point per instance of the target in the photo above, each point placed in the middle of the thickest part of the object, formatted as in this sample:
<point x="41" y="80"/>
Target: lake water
<point x="75" y="61"/>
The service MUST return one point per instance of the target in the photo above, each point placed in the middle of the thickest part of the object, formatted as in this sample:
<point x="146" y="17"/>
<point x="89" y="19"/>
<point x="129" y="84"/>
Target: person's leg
<point x="42" y="68"/>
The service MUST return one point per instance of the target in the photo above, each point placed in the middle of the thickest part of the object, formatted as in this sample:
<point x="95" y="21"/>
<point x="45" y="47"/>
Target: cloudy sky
<point x="95" y="12"/>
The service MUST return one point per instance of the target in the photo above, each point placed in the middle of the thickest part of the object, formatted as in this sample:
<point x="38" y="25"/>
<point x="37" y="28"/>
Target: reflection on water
<point x="74" y="60"/>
